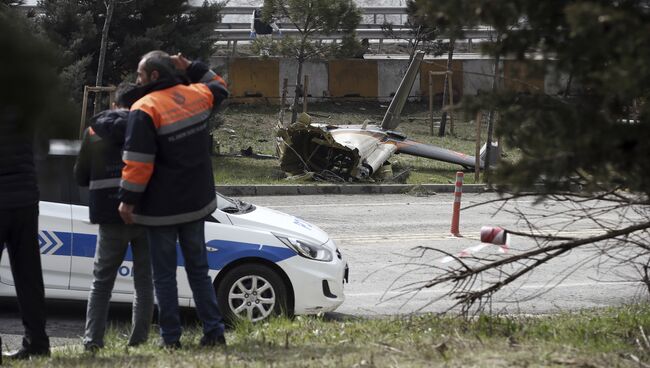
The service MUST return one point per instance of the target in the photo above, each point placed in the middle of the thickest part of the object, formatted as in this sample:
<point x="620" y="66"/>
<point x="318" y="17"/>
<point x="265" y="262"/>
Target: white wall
<point x="554" y="82"/>
<point x="390" y="75"/>
<point x="477" y="76"/>
<point x="316" y="70"/>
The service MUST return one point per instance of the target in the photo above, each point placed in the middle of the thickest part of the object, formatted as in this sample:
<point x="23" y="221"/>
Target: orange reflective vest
<point x="168" y="169"/>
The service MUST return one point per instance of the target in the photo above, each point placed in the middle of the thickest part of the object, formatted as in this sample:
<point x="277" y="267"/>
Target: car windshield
<point x="232" y="205"/>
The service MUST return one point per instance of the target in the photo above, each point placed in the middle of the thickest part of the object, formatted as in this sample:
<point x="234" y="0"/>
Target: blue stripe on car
<point x="220" y="252"/>
<point x="83" y="245"/>
<point x="228" y="251"/>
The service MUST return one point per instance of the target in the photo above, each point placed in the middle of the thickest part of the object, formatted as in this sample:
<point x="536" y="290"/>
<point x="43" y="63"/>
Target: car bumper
<point x="317" y="286"/>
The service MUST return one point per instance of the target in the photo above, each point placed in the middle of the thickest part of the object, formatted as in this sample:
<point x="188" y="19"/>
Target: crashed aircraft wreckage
<point x="359" y="151"/>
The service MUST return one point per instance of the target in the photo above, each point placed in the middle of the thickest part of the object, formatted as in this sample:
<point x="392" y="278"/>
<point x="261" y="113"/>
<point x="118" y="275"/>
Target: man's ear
<point x="154" y="75"/>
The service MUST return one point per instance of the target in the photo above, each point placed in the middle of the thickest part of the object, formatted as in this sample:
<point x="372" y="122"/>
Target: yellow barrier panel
<point x="254" y="78"/>
<point x="353" y="78"/>
<point x="520" y="77"/>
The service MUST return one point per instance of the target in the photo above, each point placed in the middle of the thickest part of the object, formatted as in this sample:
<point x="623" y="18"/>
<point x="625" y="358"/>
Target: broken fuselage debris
<point x="352" y="151"/>
<point x="356" y="152"/>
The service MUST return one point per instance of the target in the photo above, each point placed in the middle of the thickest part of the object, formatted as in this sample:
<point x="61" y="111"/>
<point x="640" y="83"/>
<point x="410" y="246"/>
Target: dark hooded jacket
<point x="18" y="184"/>
<point x="99" y="164"/>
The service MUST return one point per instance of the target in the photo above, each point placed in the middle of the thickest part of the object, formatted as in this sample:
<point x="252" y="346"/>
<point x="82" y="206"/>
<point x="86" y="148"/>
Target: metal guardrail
<point x="368" y="10"/>
<point x="402" y="32"/>
<point x="240" y="32"/>
<point x="247" y="25"/>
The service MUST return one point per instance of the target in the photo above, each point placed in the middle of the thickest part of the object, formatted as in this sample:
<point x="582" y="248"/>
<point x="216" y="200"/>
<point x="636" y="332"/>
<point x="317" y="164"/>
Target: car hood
<point x="279" y="223"/>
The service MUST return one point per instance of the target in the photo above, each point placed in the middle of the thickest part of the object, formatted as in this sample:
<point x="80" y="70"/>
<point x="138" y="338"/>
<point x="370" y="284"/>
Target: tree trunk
<point x="298" y="90"/>
<point x="490" y="126"/>
<point x="102" y="52"/>
<point x="567" y="89"/>
<point x="445" y="87"/>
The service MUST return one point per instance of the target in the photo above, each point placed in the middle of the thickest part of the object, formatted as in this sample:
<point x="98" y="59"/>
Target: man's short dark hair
<point x="160" y="61"/>
<point x="124" y="97"/>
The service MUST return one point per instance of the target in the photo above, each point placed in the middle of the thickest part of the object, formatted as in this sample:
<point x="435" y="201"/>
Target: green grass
<point x="253" y="126"/>
<point x="596" y="338"/>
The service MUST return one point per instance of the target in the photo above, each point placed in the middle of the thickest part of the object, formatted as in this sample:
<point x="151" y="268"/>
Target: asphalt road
<point x="378" y="235"/>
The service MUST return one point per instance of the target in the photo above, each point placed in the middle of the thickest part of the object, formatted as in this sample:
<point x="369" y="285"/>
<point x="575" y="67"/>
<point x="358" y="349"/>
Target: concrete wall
<point x="252" y="77"/>
<point x="554" y="82"/>
<point x="477" y="76"/>
<point x="521" y="78"/>
<point x="318" y="77"/>
<point x="260" y="79"/>
<point x="353" y="78"/>
<point x="391" y="73"/>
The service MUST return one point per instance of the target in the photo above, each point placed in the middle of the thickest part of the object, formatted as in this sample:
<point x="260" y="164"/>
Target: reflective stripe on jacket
<point x="168" y="169"/>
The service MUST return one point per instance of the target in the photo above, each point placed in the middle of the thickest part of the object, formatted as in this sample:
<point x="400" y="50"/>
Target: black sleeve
<point x="199" y="72"/>
<point x="219" y="92"/>
<point x="82" y="165"/>
<point x="196" y="71"/>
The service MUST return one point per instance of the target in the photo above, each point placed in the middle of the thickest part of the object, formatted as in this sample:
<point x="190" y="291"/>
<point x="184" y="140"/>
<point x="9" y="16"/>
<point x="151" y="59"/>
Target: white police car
<point x="263" y="262"/>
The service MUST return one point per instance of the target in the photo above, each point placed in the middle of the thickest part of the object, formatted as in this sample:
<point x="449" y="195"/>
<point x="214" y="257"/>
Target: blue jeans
<point x="191" y="237"/>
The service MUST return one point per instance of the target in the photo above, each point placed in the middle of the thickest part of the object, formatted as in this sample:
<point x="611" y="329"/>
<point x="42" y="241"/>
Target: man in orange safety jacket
<point x="167" y="182"/>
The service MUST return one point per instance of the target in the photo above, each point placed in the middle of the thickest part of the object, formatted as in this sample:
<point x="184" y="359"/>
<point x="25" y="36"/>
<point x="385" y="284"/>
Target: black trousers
<point x="19" y="234"/>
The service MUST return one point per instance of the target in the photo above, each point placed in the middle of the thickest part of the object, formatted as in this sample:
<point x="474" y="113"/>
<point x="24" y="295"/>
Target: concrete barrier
<point x="390" y="75"/>
<point x="318" y="77"/>
<point x="477" y="76"/>
<point x="254" y="78"/>
<point x="260" y="79"/>
<point x="521" y="78"/>
<point x="353" y="78"/>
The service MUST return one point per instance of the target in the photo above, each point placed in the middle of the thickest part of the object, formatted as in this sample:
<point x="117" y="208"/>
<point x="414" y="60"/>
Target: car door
<point x="84" y="244"/>
<point x="55" y="243"/>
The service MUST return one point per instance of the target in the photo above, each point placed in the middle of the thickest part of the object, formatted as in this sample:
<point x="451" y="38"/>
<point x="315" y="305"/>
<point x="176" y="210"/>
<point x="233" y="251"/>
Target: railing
<point x="233" y="32"/>
<point x="384" y="10"/>
<point x="403" y="32"/>
<point x="375" y="12"/>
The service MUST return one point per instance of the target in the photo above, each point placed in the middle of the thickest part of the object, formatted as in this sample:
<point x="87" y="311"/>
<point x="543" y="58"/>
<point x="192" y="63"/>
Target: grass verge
<point x="613" y="337"/>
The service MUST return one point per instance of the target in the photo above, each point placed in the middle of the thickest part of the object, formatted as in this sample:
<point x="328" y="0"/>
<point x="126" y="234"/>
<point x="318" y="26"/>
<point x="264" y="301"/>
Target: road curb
<point x="350" y="189"/>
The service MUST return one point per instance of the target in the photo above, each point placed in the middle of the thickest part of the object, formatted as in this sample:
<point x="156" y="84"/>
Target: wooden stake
<point x="431" y="101"/>
<point x="305" y="90"/>
<point x="451" y="103"/>
<point x="477" y="164"/>
<point x="283" y="100"/>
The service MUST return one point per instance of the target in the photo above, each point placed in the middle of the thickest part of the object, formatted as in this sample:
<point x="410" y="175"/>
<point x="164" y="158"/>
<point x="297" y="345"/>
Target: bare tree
<point x="110" y="7"/>
<point x="613" y="226"/>
<point x="310" y="18"/>
<point x="421" y="35"/>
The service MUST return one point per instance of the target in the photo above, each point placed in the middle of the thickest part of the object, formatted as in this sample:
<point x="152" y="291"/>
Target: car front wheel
<point x="251" y="292"/>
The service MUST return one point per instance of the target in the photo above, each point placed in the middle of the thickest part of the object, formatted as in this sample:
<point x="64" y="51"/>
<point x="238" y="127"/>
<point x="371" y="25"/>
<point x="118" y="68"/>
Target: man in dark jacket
<point x="18" y="232"/>
<point x="99" y="167"/>
<point x="30" y="96"/>
<point x="168" y="185"/>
